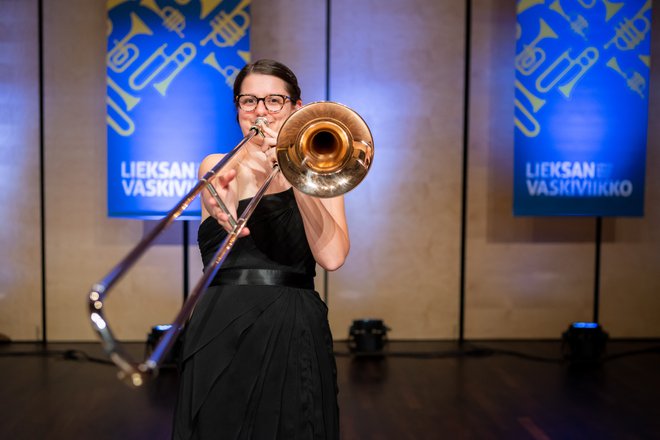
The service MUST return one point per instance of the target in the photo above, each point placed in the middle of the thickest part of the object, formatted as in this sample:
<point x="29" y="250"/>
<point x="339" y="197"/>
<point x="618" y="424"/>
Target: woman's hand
<point x="266" y="144"/>
<point x="225" y="187"/>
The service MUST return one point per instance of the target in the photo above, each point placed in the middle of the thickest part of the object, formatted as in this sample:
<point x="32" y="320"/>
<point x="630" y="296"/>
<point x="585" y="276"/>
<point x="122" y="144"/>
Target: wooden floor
<point x="487" y="390"/>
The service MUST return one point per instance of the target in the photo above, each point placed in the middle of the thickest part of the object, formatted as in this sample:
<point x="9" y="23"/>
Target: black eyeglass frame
<point x="284" y="97"/>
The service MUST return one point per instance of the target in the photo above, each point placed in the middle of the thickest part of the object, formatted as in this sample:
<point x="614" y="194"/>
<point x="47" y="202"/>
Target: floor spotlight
<point x="172" y="358"/>
<point x="584" y="342"/>
<point x="367" y="336"/>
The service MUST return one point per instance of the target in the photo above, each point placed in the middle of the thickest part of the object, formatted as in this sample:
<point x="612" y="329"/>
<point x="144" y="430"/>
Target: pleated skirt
<point x="257" y="363"/>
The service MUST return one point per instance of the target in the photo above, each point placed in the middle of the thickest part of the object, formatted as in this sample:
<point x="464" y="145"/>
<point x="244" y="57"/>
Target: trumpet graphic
<point x="611" y="9"/>
<point x="636" y="82"/>
<point x="581" y="64"/>
<point x="172" y="18"/>
<point x="207" y="7"/>
<point x="229" y="72"/>
<point x="531" y="57"/>
<point x="124" y="53"/>
<point x="173" y="63"/>
<point x="578" y="25"/>
<point x="226" y="30"/>
<point x="631" y="32"/>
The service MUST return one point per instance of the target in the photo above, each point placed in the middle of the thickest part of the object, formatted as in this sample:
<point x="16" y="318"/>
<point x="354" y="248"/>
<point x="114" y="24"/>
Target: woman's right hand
<point x="225" y="186"/>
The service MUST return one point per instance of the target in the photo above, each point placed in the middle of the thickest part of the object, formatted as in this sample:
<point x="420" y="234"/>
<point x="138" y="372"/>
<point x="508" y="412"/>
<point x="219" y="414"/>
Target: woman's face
<point x="261" y="86"/>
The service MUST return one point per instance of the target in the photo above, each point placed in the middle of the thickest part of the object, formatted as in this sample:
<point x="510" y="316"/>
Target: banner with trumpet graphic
<point x="171" y="65"/>
<point x="581" y="107"/>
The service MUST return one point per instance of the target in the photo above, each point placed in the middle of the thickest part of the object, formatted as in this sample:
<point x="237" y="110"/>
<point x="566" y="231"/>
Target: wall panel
<point x="525" y="277"/>
<point x="400" y="65"/>
<point x="630" y="294"/>
<point x="82" y="243"/>
<point x="20" y="238"/>
<point x="293" y="32"/>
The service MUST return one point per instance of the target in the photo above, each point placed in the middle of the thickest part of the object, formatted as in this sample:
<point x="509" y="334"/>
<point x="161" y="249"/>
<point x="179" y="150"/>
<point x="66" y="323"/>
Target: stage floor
<point x="418" y="390"/>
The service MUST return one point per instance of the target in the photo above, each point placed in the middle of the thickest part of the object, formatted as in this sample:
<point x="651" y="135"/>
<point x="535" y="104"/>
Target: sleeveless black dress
<point x="257" y="359"/>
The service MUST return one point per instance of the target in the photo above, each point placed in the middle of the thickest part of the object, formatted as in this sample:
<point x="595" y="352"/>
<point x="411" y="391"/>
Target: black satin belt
<point x="262" y="277"/>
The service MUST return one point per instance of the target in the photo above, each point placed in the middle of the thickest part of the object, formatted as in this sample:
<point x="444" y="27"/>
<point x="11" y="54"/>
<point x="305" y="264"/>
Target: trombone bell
<point x="324" y="149"/>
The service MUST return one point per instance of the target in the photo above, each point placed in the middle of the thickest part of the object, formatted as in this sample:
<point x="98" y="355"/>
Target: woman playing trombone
<point x="257" y="359"/>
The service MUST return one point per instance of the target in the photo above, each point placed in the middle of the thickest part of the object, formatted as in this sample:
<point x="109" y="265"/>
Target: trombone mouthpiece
<point x="259" y="123"/>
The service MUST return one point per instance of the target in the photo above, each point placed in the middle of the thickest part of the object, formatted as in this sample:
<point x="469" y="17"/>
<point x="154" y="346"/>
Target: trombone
<point x="324" y="149"/>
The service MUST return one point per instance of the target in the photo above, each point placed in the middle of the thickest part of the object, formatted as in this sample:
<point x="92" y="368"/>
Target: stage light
<point x="172" y="358"/>
<point x="584" y="342"/>
<point x="367" y="336"/>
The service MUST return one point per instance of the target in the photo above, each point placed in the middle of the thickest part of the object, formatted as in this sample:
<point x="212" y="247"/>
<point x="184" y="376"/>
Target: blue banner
<point x="171" y="66"/>
<point x="581" y="107"/>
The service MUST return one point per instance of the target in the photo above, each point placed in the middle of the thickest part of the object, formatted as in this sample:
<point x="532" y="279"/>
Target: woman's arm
<point x="324" y="219"/>
<point x="326" y="229"/>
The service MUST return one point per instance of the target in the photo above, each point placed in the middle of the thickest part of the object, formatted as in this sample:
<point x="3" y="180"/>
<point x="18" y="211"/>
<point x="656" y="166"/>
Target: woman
<point x="257" y="360"/>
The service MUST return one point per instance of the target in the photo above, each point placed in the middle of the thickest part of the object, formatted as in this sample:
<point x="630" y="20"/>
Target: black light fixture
<point x="584" y="342"/>
<point x="172" y="358"/>
<point x="367" y="336"/>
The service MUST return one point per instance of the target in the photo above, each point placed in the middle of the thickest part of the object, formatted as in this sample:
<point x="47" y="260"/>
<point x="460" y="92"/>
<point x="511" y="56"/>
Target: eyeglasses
<point x="273" y="103"/>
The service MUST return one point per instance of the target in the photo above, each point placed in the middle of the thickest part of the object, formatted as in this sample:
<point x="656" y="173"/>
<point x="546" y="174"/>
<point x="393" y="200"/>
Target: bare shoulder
<point x="209" y="162"/>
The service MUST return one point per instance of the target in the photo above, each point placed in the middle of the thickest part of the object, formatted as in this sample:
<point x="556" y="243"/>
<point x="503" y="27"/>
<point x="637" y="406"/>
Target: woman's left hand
<point x="268" y="144"/>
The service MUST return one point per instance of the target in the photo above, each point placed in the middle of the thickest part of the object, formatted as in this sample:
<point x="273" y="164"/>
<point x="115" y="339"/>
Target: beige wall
<point x="82" y="244"/>
<point x="630" y="293"/>
<point x="524" y="276"/>
<point x="400" y="65"/>
<point x="20" y="236"/>
<point x="402" y="70"/>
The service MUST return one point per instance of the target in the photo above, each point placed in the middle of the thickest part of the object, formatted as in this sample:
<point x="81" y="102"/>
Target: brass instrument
<point x="531" y="57"/>
<point x="587" y="5"/>
<point x="530" y="127"/>
<point x="578" y="25"/>
<point x="611" y="8"/>
<point x="523" y="5"/>
<point x="230" y="72"/>
<point x="226" y="29"/>
<point x="159" y="61"/>
<point x="324" y="147"/>
<point x="116" y="114"/>
<point x="207" y="7"/>
<point x="631" y="32"/>
<point x="636" y="82"/>
<point x="173" y="19"/>
<point x="123" y="53"/>
<point x="581" y="64"/>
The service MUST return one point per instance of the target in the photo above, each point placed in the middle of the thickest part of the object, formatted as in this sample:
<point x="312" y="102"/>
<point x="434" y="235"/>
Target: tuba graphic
<point x="124" y="53"/>
<point x="531" y="57"/>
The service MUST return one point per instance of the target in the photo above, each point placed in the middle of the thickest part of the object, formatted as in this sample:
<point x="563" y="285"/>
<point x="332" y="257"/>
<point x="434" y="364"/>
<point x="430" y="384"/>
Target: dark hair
<point x="269" y="67"/>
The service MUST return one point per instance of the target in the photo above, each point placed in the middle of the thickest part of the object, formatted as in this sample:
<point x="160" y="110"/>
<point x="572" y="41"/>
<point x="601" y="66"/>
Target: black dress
<point x="257" y="360"/>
